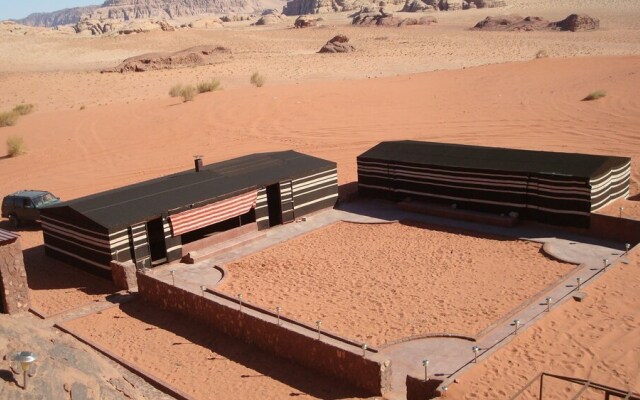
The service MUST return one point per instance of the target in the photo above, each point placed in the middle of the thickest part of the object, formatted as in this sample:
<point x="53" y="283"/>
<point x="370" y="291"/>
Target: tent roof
<point x="494" y="158"/>
<point x="147" y="200"/>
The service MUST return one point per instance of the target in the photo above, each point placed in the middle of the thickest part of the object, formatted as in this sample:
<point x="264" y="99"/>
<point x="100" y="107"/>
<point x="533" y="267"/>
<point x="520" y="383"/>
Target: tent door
<point x="274" y="204"/>
<point x="286" y="194"/>
<point x="140" y="245"/>
<point x="158" y="247"/>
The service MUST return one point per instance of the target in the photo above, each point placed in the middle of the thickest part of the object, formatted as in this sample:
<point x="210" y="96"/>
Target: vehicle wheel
<point x="14" y="221"/>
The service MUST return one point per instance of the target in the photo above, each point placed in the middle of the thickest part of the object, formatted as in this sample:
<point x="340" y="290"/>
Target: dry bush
<point x="598" y="94"/>
<point x="542" y="54"/>
<point x="211" y="86"/>
<point x="8" y="118"/>
<point x="176" y="91"/>
<point x="15" y="146"/>
<point x="188" y="93"/>
<point x="257" y="79"/>
<point x="23" y="109"/>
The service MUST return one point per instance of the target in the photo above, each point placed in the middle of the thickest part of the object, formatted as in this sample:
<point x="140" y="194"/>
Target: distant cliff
<point x="61" y="17"/>
<point x="136" y="9"/>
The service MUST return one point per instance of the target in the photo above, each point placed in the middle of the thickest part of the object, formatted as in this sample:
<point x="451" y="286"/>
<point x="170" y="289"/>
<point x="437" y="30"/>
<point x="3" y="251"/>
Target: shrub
<point x="8" y="118"/>
<point x="23" y="109"/>
<point x="257" y="79"/>
<point x="598" y="94"/>
<point x="15" y="146"/>
<point x="542" y="54"/>
<point x="188" y="93"/>
<point x="210" y="86"/>
<point x="176" y="91"/>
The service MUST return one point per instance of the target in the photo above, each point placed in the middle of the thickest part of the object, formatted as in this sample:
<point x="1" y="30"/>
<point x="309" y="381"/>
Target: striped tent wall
<point x="173" y="243"/>
<point x="315" y="192"/>
<point x="72" y="238"/>
<point x="140" y="243"/>
<point x="286" y="199"/>
<point x="547" y="198"/>
<point x="262" y="210"/>
<point x="610" y="186"/>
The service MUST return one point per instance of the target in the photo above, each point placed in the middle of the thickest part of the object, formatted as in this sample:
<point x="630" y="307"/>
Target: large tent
<point x="554" y="188"/>
<point x="149" y="222"/>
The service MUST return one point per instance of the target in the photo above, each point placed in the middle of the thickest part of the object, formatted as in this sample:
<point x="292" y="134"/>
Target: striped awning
<point x="210" y="214"/>
<point x="6" y="236"/>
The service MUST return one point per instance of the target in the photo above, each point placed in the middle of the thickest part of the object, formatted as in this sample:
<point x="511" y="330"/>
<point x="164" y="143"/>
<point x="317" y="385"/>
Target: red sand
<point x="131" y="131"/>
<point x="200" y="362"/>
<point x="378" y="283"/>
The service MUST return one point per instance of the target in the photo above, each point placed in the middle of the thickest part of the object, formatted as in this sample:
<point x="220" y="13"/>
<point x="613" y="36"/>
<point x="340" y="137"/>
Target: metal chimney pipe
<point x="198" y="163"/>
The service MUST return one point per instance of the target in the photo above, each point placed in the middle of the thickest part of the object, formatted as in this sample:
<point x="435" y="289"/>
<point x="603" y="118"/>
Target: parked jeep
<point x="25" y="205"/>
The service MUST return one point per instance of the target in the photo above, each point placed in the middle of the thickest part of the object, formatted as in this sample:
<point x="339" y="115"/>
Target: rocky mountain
<point x="61" y="17"/>
<point x="126" y="10"/>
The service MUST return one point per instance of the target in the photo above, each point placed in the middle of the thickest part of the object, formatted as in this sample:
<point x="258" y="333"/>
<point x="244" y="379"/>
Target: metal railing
<point x="608" y="391"/>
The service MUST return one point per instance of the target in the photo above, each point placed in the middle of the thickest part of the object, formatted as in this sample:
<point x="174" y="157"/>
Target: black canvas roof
<point x="147" y="200"/>
<point x="494" y="158"/>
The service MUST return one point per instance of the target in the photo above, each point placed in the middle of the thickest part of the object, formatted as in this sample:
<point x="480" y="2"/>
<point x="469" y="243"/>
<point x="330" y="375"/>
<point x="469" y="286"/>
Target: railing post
<point x="541" y="386"/>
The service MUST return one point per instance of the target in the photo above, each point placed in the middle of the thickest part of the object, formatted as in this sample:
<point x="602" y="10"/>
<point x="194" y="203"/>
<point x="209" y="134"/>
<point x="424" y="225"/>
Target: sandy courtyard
<point x="378" y="283"/>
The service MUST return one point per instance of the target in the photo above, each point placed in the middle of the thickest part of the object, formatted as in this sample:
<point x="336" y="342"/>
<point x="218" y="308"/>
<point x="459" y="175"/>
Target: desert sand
<point x="597" y="339"/>
<point x="442" y="82"/>
<point x="381" y="283"/>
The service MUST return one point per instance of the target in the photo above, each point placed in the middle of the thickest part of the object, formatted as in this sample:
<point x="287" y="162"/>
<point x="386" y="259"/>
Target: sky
<point x="16" y="9"/>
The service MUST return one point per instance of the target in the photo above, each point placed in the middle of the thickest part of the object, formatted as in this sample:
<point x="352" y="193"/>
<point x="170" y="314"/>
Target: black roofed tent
<point x="149" y="222"/>
<point x="554" y="188"/>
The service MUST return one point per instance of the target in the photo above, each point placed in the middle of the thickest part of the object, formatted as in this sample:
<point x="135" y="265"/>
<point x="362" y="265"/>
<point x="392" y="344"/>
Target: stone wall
<point x="419" y="389"/>
<point x="124" y="275"/>
<point x="369" y="374"/>
<point x="13" y="279"/>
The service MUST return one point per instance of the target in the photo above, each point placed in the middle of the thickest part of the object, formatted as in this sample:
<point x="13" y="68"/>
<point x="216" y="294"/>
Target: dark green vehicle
<point x="25" y="205"/>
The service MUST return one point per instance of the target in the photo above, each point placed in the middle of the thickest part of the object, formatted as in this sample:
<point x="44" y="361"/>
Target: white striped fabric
<point x="6" y="236"/>
<point x="210" y="214"/>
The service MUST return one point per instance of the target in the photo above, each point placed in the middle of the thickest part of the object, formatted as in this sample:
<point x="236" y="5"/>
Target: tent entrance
<point x="157" y="245"/>
<point x="274" y="204"/>
<point x="2" y="311"/>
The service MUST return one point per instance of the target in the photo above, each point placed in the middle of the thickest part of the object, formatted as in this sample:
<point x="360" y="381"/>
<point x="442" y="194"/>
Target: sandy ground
<point x="381" y="283"/>
<point x="333" y="106"/>
<point x="199" y="362"/>
<point x="597" y="339"/>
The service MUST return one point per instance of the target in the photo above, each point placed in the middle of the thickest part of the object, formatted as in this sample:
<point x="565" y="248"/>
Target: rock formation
<point x="194" y="56"/>
<point x="115" y="27"/>
<point x="305" y="21"/>
<point x="577" y="22"/>
<point x="512" y="23"/>
<point x="271" y="17"/>
<point x="573" y="22"/>
<point x="302" y="7"/>
<point x="337" y="44"/>
<point x="206" y="23"/>
<point x="56" y="18"/>
<point x="127" y="10"/>
<point x="379" y="17"/>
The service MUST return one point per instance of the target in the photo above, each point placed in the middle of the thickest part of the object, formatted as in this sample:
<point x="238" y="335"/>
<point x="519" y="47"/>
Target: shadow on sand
<point x="306" y="382"/>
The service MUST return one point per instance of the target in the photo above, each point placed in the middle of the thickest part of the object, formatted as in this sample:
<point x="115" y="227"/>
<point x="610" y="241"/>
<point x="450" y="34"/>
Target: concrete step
<point x="227" y="245"/>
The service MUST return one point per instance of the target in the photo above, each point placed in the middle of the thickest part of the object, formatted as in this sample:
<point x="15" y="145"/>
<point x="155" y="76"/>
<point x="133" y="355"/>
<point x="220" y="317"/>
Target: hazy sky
<point x="17" y="9"/>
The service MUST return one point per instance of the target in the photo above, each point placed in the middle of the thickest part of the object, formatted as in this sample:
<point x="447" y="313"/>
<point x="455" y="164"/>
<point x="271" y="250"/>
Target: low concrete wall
<point x="368" y="374"/>
<point x="419" y="389"/>
<point x="615" y="229"/>
<point x="622" y="230"/>
<point x="14" y="290"/>
<point x="124" y="275"/>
